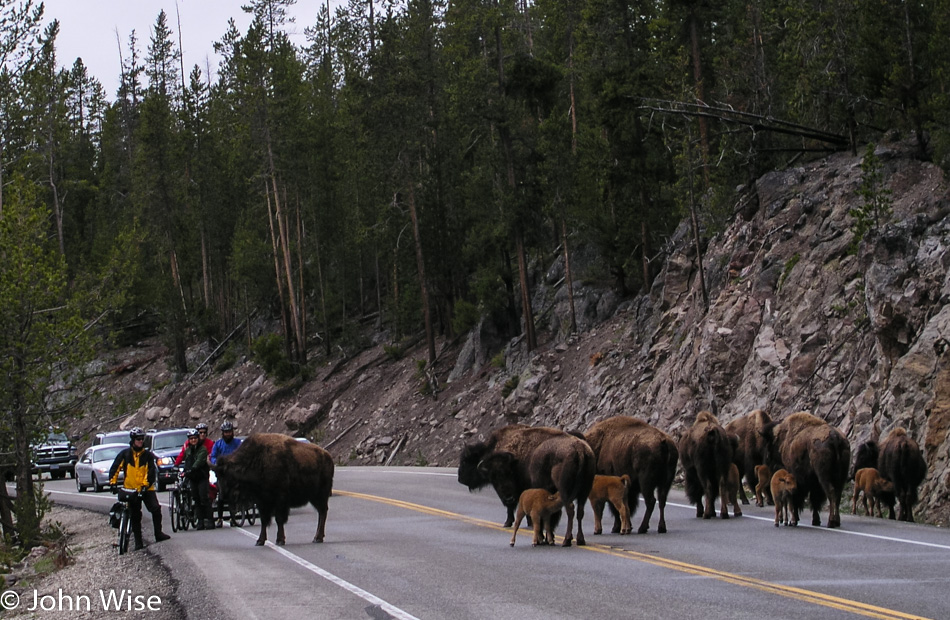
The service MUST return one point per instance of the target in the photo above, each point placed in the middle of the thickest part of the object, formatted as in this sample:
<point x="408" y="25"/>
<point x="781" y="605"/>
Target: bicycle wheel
<point x="173" y="508"/>
<point x="125" y="531"/>
<point x="184" y="515"/>
<point x="239" y="514"/>
<point x="251" y="513"/>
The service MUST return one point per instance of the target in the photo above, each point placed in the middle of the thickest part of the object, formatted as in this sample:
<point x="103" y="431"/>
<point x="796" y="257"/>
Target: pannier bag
<point x="115" y="514"/>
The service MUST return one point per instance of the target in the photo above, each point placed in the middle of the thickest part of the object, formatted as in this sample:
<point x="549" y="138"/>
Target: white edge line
<point x="837" y="530"/>
<point x="349" y="587"/>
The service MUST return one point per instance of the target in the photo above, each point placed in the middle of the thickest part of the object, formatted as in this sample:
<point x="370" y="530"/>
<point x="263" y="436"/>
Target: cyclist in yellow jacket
<point x="141" y="471"/>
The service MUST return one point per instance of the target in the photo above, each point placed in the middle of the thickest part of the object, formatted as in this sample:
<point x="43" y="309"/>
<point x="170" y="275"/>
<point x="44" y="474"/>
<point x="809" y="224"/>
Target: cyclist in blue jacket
<point x="226" y="445"/>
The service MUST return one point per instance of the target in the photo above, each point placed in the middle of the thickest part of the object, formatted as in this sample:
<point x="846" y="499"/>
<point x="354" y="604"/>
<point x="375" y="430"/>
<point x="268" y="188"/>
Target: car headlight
<point x="166" y="461"/>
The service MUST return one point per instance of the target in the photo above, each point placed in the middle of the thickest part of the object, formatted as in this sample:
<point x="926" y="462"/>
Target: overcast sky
<point x="88" y="29"/>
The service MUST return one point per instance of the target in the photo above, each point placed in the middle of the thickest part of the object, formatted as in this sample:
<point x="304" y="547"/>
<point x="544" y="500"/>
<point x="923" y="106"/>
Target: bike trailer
<point x="115" y="514"/>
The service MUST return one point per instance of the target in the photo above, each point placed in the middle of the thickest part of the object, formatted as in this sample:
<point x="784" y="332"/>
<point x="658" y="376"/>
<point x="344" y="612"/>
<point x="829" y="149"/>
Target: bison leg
<point x="281" y="517"/>
<point x="569" y="534"/>
<point x="580" y="521"/>
<point x="517" y="524"/>
<point x="322" y="508"/>
<point x="598" y="508"/>
<point x="625" y="526"/>
<point x="650" y="502"/>
<point x="266" y="515"/>
<point x="511" y="514"/>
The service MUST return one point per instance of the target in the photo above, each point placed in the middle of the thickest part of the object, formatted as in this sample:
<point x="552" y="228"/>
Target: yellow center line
<point x="808" y="596"/>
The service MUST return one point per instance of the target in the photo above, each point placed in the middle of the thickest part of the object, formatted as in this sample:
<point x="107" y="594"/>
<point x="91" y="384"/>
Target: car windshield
<point x="57" y="438"/>
<point x="169" y="440"/>
<point x="107" y="454"/>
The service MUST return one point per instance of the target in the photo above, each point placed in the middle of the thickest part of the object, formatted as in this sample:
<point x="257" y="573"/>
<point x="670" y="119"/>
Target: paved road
<point x="413" y="543"/>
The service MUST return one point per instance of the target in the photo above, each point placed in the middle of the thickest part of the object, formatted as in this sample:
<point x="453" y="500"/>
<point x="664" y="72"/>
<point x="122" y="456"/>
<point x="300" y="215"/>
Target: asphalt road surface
<point x="414" y="543"/>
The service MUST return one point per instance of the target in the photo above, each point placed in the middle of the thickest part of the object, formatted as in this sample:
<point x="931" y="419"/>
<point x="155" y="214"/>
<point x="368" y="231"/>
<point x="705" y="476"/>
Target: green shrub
<point x="466" y="316"/>
<point x="268" y="351"/>
<point x="227" y="360"/>
<point x="877" y="206"/>
<point x="510" y="386"/>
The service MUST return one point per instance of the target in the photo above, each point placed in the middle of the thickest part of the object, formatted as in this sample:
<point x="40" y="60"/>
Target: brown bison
<point x="818" y="455"/>
<point x="544" y="511"/>
<point x="730" y="489"/>
<point x="752" y="449"/>
<point x="613" y="489"/>
<point x="515" y="439"/>
<point x="280" y="473"/>
<point x="868" y="481"/>
<point x="706" y="454"/>
<point x="902" y="463"/>
<point x="785" y="493"/>
<point x="626" y="445"/>
<point x="563" y="463"/>
<point x="866" y="455"/>
<point x="763" y="489"/>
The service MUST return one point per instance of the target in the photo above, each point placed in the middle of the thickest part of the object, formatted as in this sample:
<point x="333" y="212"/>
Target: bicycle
<point x="121" y="517"/>
<point x="181" y="506"/>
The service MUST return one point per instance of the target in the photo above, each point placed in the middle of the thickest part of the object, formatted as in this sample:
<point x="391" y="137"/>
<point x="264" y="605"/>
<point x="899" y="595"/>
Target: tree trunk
<point x="568" y="278"/>
<point x="420" y="265"/>
<point x="275" y="252"/>
<point x="700" y="91"/>
<point x="27" y="517"/>
<point x="531" y="338"/>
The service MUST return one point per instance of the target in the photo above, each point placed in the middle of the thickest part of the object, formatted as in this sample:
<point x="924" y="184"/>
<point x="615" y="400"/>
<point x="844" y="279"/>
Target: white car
<point x="92" y="470"/>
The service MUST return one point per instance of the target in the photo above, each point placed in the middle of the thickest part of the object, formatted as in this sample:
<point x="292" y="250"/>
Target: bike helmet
<point x="227" y="426"/>
<point x="193" y="432"/>
<point x="202" y="427"/>
<point x="136" y="433"/>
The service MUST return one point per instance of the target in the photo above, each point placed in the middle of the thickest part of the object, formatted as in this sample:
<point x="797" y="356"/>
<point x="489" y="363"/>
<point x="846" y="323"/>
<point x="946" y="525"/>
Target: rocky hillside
<point x="797" y="320"/>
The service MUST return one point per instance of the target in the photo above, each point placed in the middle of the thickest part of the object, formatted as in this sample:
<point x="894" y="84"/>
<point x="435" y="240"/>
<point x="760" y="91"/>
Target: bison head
<point x="501" y="469"/>
<point x="469" y="473"/>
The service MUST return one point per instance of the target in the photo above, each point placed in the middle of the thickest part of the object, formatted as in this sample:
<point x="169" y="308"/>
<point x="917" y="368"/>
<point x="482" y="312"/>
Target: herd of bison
<point x="537" y="471"/>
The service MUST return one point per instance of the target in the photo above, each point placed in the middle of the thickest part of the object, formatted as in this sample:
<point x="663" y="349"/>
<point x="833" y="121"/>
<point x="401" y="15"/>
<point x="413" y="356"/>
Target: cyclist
<point x="197" y="470"/>
<point x="226" y="445"/>
<point x="202" y="429"/>
<point x="140" y="469"/>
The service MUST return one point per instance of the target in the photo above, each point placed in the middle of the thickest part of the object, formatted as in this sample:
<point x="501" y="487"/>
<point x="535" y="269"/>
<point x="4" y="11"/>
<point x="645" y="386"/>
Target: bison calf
<point x="784" y="487"/>
<point x="868" y="481"/>
<point x="729" y="489"/>
<point x="763" y="491"/>
<point x="544" y="510"/>
<point x="613" y="489"/>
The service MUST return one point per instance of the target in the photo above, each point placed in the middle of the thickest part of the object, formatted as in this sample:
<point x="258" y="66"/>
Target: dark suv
<point x="166" y="445"/>
<point x="55" y="456"/>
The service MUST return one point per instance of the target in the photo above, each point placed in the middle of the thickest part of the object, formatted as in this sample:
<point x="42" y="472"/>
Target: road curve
<point x="413" y="543"/>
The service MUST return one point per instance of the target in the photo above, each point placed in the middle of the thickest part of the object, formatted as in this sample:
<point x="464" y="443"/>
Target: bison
<point x="817" y="454"/>
<point x="562" y="463"/>
<point x="706" y="454"/>
<point x="763" y="488"/>
<point x="868" y="481"/>
<point x="544" y="511"/>
<point x="729" y="489"/>
<point x="280" y="473"/>
<point x="866" y="455"/>
<point x="787" y="500"/>
<point x="517" y="440"/>
<point x="752" y="449"/>
<point x="902" y="463"/>
<point x="613" y="489"/>
<point x="627" y="445"/>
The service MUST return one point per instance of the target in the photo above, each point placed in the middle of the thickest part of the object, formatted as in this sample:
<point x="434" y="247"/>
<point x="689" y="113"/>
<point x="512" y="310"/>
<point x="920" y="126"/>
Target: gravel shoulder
<point x="90" y="586"/>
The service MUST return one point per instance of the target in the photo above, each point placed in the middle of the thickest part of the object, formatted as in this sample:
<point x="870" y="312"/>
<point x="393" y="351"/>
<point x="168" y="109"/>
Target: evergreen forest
<point x="411" y="162"/>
